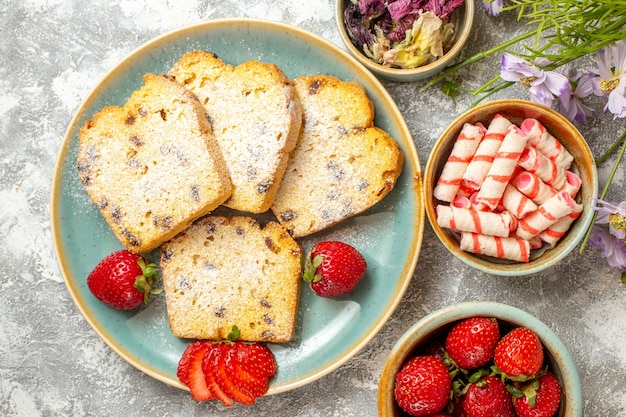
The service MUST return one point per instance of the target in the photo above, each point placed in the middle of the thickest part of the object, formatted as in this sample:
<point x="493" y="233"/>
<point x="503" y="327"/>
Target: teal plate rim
<point x="329" y="332"/>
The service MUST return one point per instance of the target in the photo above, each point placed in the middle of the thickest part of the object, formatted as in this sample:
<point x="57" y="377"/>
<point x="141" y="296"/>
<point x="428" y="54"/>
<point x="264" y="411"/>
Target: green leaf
<point x="234" y="334"/>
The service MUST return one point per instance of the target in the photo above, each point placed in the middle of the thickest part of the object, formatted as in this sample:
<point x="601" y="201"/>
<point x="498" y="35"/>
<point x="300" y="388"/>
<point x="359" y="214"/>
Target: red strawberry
<point x="488" y="398"/>
<point x="542" y="398"/>
<point x="209" y="363"/>
<point x="423" y="386"/>
<point x="245" y="381"/>
<point x="519" y="354"/>
<point x="223" y="371"/>
<point x="333" y="268"/>
<point x="256" y="359"/>
<point x="190" y="370"/>
<point x="123" y="280"/>
<point x="248" y="376"/>
<point x="471" y="342"/>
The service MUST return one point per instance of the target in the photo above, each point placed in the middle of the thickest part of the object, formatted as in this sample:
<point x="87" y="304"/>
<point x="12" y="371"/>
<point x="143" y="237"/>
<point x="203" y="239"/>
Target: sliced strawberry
<point x="209" y="363"/>
<point x="223" y="376"/>
<point x="253" y="385"/>
<point x="190" y="370"/>
<point x="256" y="359"/>
<point x="182" y="372"/>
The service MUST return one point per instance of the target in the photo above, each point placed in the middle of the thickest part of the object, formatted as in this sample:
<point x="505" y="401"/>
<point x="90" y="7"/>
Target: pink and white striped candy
<point x="533" y="187"/>
<point x="483" y="158"/>
<point x="544" y="142"/>
<point x="502" y="168"/>
<point x="512" y="248"/>
<point x="476" y="221"/>
<point x="517" y="203"/>
<point x="556" y="207"/>
<point x="572" y="183"/>
<point x="465" y="146"/>
<point x="556" y="231"/>
<point x="534" y="161"/>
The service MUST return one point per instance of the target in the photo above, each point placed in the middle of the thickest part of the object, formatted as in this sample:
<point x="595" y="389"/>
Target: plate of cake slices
<point x="179" y="141"/>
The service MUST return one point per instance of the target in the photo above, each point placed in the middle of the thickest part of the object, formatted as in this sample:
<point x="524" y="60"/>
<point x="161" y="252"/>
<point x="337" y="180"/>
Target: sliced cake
<point x="342" y="164"/>
<point x="152" y="166"/>
<point x="255" y="117"/>
<point x="232" y="271"/>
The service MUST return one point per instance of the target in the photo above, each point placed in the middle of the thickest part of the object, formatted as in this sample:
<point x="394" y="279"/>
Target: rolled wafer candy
<point x="554" y="208"/>
<point x="462" y="202"/>
<point x="533" y="187"/>
<point x="479" y="166"/>
<point x="502" y="168"/>
<point x="470" y="220"/>
<point x="512" y="248"/>
<point x="544" y="142"/>
<point x="475" y="204"/>
<point x="517" y="203"/>
<point x="534" y="161"/>
<point x="572" y="183"/>
<point x="465" y="146"/>
<point x="558" y="229"/>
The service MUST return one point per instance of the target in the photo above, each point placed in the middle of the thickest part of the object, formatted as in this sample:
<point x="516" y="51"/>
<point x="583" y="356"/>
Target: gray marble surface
<point x="52" y="53"/>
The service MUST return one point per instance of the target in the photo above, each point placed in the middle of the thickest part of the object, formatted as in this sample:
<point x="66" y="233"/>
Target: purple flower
<point x="542" y="85"/>
<point x="614" y="250"/>
<point x="571" y="100"/>
<point x="610" y="240"/>
<point x="613" y="215"/>
<point x="493" y="7"/>
<point x="611" y="78"/>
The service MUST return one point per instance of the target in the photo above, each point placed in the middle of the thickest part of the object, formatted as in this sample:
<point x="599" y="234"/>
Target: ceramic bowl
<point x="463" y="19"/>
<point x="584" y="166"/>
<point x="438" y="323"/>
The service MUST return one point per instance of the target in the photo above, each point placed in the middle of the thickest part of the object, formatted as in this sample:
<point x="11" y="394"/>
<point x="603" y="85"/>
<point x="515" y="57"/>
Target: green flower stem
<point x="563" y="31"/>
<point x="477" y="57"/>
<point x="622" y="141"/>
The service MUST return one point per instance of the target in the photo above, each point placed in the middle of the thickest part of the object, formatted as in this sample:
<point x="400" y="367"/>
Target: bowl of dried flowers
<point x="404" y="41"/>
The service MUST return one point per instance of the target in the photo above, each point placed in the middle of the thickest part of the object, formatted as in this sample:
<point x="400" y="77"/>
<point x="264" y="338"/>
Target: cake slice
<point x="231" y="271"/>
<point x="152" y="166"/>
<point x="255" y="117"/>
<point x="342" y="164"/>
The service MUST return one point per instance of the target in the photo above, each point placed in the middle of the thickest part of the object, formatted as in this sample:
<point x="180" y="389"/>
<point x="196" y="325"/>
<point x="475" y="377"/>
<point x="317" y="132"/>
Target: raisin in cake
<point x="255" y="117"/>
<point x="152" y="166"/>
<point x="342" y="164"/>
<point x="231" y="271"/>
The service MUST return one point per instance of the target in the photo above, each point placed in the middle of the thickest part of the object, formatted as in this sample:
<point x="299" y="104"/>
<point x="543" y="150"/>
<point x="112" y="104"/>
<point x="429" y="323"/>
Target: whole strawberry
<point x="519" y="354"/>
<point x="541" y="397"/>
<point x="422" y="386"/>
<point x="333" y="268"/>
<point x="488" y="398"/>
<point x="472" y="342"/>
<point x="123" y="280"/>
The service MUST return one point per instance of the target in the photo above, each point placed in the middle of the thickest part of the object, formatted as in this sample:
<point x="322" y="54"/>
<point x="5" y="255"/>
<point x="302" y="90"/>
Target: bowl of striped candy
<point x="508" y="187"/>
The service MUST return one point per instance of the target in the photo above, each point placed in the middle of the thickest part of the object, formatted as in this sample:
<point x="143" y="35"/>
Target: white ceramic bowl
<point x="438" y="323"/>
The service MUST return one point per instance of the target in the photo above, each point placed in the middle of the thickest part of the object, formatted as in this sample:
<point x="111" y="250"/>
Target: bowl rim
<point x="404" y="346"/>
<point x="519" y="268"/>
<point x="399" y="72"/>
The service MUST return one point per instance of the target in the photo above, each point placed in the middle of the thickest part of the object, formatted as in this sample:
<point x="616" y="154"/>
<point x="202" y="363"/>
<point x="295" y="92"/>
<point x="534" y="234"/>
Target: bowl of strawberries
<point x="479" y="359"/>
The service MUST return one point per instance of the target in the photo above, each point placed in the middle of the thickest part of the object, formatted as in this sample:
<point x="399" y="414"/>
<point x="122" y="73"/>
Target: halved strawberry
<point x="223" y="376"/>
<point x="256" y="359"/>
<point x="190" y="370"/>
<point x="209" y="362"/>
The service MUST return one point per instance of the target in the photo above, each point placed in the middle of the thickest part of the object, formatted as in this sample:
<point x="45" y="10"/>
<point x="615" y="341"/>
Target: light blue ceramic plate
<point x="329" y="332"/>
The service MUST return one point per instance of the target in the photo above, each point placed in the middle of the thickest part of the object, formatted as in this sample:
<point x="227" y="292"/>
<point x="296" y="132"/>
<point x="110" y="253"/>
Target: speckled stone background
<point x="52" y="52"/>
